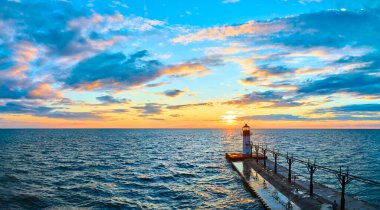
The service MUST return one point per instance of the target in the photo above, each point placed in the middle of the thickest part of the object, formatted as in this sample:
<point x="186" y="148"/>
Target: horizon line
<point x="203" y="128"/>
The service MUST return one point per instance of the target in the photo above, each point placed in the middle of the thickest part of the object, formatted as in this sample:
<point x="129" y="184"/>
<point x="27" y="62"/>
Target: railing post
<point x="342" y="199"/>
<point x="251" y="145"/>
<point x="290" y="161"/>
<point x="343" y="180"/>
<point x="265" y="153"/>
<point x="311" y="167"/>
<point x="257" y="152"/>
<point x="275" y="155"/>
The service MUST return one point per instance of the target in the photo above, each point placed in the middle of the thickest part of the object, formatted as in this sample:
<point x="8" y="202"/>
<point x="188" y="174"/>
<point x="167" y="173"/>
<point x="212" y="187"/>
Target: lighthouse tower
<point x="246" y="140"/>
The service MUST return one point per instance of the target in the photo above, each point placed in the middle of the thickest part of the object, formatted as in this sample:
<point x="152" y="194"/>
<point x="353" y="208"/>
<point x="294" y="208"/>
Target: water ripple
<point x="158" y="169"/>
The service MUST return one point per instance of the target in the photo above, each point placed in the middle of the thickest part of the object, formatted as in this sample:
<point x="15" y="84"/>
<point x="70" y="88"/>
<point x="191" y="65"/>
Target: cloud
<point x="358" y="83"/>
<point x="156" y="84"/>
<point x="226" y="31"/>
<point x="193" y="67"/>
<point x="36" y="109"/>
<point x="274" y="70"/>
<point x="368" y="63"/>
<point x="352" y="112"/>
<point x="284" y="103"/>
<point x="254" y="97"/>
<point x="24" y="53"/>
<point x="173" y="92"/>
<point x="149" y="109"/>
<point x="25" y="18"/>
<point x="24" y="108"/>
<point x="356" y="118"/>
<point x="9" y="90"/>
<point x="113" y="70"/>
<point x="107" y="99"/>
<point x="183" y="106"/>
<point x="248" y="80"/>
<point x="176" y="115"/>
<point x="287" y="117"/>
<point x="354" y="109"/>
<point x="279" y="117"/>
<point x="157" y="119"/>
<point x="63" y="101"/>
<point x="70" y="115"/>
<point x="308" y="1"/>
<point x="68" y="28"/>
<point x="230" y="1"/>
<point x="68" y="32"/>
<point x="117" y="71"/>
<point x="15" y="82"/>
<point x="44" y="91"/>
<point x="120" y="110"/>
<point x="358" y="108"/>
<point x="5" y="61"/>
<point x="111" y="23"/>
<point x="186" y="69"/>
<point x="24" y="89"/>
<point x="330" y="28"/>
<point x="317" y="53"/>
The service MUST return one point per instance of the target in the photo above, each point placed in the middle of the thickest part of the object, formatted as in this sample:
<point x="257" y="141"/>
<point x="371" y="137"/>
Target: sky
<point x="189" y="64"/>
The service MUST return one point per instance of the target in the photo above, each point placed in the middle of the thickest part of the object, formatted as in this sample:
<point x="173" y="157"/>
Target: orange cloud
<point x="186" y="69"/>
<point x="222" y="32"/>
<point x="25" y="52"/>
<point x="91" y="86"/>
<point x="44" y="91"/>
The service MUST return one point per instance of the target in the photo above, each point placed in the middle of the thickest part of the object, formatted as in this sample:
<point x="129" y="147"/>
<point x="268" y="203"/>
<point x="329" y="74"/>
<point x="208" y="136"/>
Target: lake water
<point x="163" y="168"/>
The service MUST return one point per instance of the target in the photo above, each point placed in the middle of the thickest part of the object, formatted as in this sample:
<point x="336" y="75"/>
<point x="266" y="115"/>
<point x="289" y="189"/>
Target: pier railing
<point x="343" y="176"/>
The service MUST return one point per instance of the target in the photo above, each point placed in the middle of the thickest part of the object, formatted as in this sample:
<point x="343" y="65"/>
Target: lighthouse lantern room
<point x="247" y="140"/>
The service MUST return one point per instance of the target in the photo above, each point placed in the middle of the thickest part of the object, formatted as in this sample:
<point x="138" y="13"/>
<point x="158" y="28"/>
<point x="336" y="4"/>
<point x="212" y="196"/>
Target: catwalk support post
<point x="311" y="167"/>
<point x="264" y="150"/>
<point x="290" y="161"/>
<point x="275" y="155"/>
<point x="257" y="147"/>
<point x="343" y="180"/>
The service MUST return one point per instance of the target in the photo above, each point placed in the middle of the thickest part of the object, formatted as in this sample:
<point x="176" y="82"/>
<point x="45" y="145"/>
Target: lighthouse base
<point x="237" y="156"/>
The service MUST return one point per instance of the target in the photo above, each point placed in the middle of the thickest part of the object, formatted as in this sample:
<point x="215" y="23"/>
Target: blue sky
<point x="272" y="63"/>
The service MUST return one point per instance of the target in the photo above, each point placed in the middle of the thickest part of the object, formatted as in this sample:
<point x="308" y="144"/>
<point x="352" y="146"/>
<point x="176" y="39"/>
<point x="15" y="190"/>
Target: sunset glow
<point x="189" y="64"/>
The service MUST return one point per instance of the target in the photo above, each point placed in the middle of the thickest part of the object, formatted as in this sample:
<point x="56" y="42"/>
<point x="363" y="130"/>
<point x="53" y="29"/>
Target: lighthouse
<point x="246" y="140"/>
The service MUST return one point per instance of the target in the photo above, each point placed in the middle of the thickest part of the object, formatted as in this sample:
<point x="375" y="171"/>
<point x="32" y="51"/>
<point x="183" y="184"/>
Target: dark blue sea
<point x="163" y="168"/>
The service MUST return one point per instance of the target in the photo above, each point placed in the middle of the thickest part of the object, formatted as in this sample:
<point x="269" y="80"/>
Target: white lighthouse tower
<point x="246" y="140"/>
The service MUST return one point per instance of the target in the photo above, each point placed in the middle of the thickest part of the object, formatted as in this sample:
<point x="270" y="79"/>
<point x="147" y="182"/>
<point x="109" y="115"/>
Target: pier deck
<point x="295" y="193"/>
<point x="237" y="156"/>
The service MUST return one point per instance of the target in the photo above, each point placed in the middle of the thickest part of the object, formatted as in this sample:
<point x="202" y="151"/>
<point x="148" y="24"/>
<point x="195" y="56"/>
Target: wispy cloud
<point x="117" y="71"/>
<point x="230" y="1"/>
<point x="358" y="83"/>
<point x="39" y="110"/>
<point x="256" y="97"/>
<point x="183" y="106"/>
<point x="149" y="109"/>
<point x="223" y="32"/>
<point x="271" y="117"/>
<point x="108" y="99"/>
<point x="173" y="92"/>
<point x="289" y="68"/>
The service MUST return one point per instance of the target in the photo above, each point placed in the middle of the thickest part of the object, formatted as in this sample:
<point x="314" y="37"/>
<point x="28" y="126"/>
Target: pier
<point x="277" y="187"/>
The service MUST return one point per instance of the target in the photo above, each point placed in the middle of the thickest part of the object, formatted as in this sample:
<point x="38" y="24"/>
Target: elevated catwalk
<point x="237" y="156"/>
<point x="275" y="192"/>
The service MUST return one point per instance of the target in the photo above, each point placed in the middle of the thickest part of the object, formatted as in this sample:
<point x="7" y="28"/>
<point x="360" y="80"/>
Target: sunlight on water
<point x="161" y="168"/>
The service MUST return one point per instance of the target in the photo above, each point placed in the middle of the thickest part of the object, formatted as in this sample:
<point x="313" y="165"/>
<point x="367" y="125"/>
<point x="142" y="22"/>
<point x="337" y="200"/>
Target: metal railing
<point x="344" y="177"/>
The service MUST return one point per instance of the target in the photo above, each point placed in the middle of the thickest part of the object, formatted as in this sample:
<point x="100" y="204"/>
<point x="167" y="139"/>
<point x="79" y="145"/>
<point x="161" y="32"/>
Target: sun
<point x="230" y="117"/>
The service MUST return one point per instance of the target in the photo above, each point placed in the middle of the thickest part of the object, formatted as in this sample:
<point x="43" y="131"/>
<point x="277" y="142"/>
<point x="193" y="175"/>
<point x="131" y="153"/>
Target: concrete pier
<point x="269" y="187"/>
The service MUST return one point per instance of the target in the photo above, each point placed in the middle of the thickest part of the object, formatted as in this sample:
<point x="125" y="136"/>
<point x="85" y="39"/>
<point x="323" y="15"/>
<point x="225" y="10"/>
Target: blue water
<point x="154" y="169"/>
